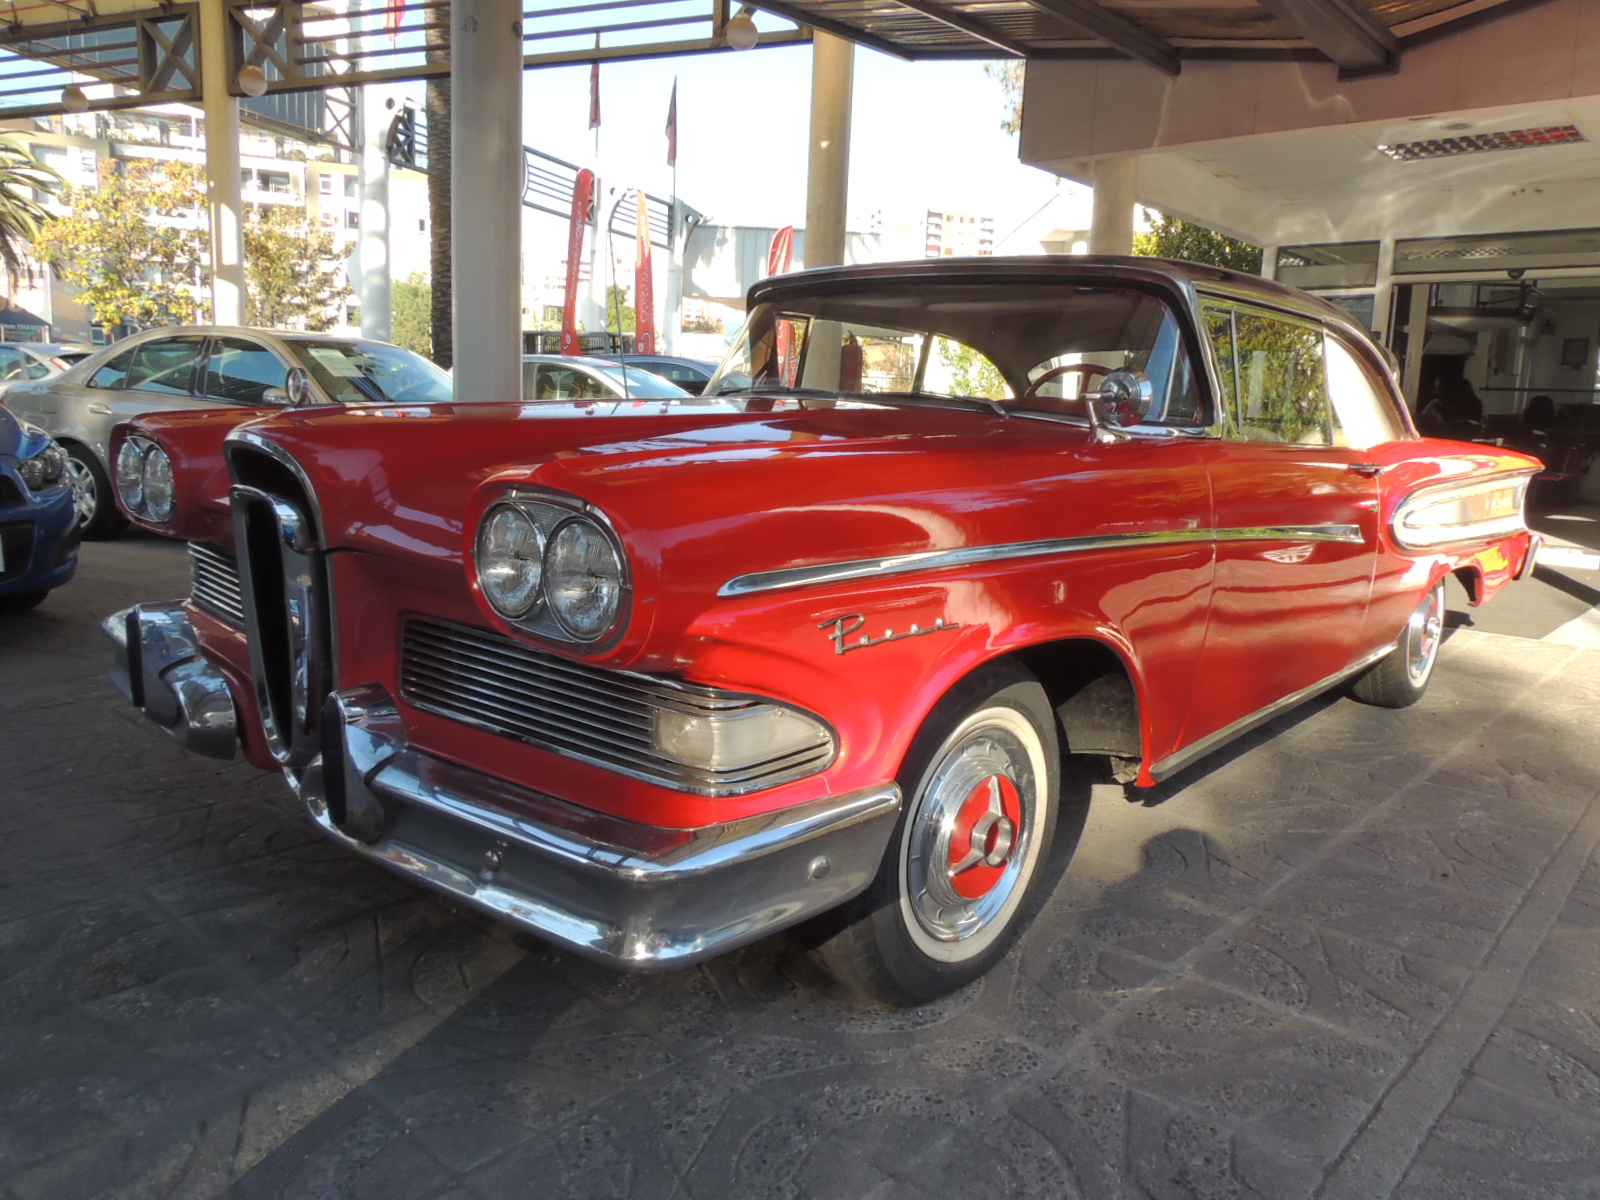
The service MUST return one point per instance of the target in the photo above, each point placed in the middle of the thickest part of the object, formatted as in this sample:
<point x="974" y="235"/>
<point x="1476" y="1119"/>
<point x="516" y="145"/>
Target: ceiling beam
<point x="1088" y="17"/>
<point x="1347" y="31"/>
<point x="982" y="30"/>
<point x="804" y="16"/>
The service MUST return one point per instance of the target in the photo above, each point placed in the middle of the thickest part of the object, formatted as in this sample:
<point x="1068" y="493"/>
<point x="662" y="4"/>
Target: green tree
<point x="292" y="277"/>
<point x="971" y="374"/>
<point x="412" y="317"/>
<point x="135" y="245"/>
<point x="1009" y="73"/>
<point x="1173" y="237"/>
<point x="616" y="304"/>
<point x="21" y="217"/>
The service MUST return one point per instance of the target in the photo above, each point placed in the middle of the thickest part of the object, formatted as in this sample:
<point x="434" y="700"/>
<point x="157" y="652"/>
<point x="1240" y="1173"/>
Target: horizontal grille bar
<point x="214" y="582"/>
<point x="588" y="713"/>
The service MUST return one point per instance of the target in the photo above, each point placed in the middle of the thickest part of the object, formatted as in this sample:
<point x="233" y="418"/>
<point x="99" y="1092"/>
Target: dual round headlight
<point x="144" y="480"/>
<point x="569" y="565"/>
<point x="44" y="469"/>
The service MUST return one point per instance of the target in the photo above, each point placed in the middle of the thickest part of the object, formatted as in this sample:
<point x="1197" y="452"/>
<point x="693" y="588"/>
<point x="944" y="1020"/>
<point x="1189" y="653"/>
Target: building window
<point x="422" y="225"/>
<point x="325" y="184"/>
<point x="350" y="185"/>
<point x="352" y="219"/>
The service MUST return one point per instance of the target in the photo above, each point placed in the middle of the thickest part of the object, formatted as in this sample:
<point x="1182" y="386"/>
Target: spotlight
<point x="74" y="98"/>
<point x="252" y="80"/>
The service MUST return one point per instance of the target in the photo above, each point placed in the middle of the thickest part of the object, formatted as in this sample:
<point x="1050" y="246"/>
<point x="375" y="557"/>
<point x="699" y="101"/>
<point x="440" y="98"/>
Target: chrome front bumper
<point x="632" y="895"/>
<point x="159" y="668"/>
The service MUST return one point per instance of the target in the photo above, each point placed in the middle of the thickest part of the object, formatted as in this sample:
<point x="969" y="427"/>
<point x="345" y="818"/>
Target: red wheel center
<point x="985" y="833"/>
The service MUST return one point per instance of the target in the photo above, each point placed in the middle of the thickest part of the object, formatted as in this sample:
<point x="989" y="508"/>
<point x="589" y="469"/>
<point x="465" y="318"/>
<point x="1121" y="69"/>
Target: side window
<point x="10" y="362"/>
<point x="1273" y="366"/>
<point x="241" y="371"/>
<point x="587" y="387"/>
<point x="1363" y="413"/>
<point x="165" y="366"/>
<point x="36" y="370"/>
<point x="115" y="373"/>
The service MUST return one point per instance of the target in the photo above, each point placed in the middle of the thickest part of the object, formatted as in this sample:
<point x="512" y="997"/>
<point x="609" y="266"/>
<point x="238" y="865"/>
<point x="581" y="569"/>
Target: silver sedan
<point x="201" y="367"/>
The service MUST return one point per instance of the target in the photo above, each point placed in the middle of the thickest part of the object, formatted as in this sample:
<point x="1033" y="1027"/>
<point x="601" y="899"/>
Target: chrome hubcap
<point x="968" y="845"/>
<point x="83" y="490"/>
<point x="1423" y="635"/>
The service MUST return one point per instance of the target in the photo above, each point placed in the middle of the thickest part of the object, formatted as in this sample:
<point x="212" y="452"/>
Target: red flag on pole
<point x="393" y="17"/>
<point x="780" y="260"/>
<point x="672" y="127"/>
<point x="644" y="297"/>
<point x="582" y="195"/>
<point x="594" y="96"/>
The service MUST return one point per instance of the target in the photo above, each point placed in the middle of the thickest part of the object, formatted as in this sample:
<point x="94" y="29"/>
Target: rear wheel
<point x="1400" y="679"/>
<point x="981" y="785"/>
<point x="98" y="515"/>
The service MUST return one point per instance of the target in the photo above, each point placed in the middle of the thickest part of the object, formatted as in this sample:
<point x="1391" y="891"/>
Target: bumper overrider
<point x="633" y="895"/>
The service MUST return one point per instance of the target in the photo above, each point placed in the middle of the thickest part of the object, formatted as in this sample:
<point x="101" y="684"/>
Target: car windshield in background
<point x="372" y="373"/>
<point x="1038" y="350"/>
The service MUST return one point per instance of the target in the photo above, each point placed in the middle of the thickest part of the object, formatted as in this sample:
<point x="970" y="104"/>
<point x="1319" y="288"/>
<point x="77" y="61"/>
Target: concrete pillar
<point x="1416" y="339"/>
<point x="1116" y="184"/>
<point x="672" y="318"/>
<point x="833" y="62"/>
<point x="486" y="196"/>
<point x="222" y="168"/>
<point x="1383" y="293"/>
<point x="373" y="279"/>
<point x="1269" y="262"/>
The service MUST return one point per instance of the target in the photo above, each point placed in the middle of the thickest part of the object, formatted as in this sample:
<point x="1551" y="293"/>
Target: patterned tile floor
<point x="1356" y="955"/>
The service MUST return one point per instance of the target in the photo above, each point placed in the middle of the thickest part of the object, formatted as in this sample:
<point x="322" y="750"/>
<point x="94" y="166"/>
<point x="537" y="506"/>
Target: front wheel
<point x="981" y="786"/>
<point x="1399" y="679"/>
<point x="98" y="515"/>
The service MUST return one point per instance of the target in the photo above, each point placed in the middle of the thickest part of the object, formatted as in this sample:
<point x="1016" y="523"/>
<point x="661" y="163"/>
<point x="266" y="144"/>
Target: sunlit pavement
<point x="1356" y="955"/>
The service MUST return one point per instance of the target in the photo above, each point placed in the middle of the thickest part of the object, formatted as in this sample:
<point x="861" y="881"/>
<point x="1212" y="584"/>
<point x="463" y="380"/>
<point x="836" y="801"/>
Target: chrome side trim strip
<point x="1174" y="763"/>
<point x="930" y="560"/>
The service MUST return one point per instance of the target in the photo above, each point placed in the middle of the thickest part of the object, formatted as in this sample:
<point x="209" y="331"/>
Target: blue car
<point x="38" y="520"/>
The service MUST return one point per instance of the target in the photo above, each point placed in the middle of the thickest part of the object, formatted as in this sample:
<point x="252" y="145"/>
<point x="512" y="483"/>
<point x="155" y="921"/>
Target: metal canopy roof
<point x="131" y="52"/>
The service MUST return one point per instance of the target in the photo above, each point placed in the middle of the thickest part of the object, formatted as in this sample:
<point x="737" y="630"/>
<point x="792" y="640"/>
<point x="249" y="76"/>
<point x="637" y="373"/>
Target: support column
<point x="1116" y="183"/>
<point x="1383" y="293"/>
<point x="1269" y="262"/>
<point x="672" y="318"/>
<point x="486" y="196"/>
<point x="372" y="277"/>
<point x="223" y="187"/>
<point x="833" y="62"/>
<point x="1416" y="341"/>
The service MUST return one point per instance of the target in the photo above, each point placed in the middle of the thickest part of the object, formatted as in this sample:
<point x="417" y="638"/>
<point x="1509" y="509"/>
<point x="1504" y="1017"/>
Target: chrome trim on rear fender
<point x="632" y="895"/>
<point x="930" y="560"/>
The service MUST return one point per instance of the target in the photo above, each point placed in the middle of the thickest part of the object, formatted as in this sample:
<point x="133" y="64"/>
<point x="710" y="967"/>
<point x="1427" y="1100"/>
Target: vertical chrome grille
<point x="214" y="582"/>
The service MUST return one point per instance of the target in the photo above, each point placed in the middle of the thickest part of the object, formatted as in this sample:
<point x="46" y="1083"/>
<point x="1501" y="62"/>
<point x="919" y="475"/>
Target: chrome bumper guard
<point x="159" y="668"/>
<point x="1531" y="558"/>
<point x="630" y="895"/>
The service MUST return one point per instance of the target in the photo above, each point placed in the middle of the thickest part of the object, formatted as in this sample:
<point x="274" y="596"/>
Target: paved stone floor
<point x="1356" y="955"/>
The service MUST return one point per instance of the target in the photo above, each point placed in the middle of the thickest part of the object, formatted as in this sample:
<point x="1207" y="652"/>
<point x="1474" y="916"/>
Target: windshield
<point x="1025" y="347"/>
<point x="351" y="372"/>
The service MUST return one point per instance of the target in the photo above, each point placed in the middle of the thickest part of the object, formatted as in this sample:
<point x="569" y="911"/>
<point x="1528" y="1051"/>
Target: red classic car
<point x="654" y="684"/>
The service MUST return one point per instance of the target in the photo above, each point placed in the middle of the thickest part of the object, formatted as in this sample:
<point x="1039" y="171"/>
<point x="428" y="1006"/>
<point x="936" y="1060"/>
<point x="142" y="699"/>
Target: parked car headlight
<point x="743" y="737"/>
<point x="510" y="561"/>
<point x="44" y="469"/>
<point x="145" y="482"/>
<point x="158" y="484"/>
<point x="583" y="579"/>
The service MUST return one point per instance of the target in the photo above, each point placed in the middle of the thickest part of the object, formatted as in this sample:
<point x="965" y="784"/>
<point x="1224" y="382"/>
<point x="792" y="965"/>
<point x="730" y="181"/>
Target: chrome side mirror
<point x="1125" y="398"/>
<point x="275" y="396"/>
<point x="299" y="388"/>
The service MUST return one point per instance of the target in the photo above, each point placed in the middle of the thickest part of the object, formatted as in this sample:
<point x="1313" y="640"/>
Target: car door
<point x="152" y="376"/>
<point x="1295" y="517"/>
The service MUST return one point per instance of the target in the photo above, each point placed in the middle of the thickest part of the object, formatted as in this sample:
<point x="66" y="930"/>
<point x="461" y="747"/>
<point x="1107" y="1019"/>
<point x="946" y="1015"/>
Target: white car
<point x="576" y="377"/>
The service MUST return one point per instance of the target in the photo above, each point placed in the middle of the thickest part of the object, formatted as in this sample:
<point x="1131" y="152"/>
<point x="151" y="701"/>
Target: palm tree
<point x="21" y="216"/>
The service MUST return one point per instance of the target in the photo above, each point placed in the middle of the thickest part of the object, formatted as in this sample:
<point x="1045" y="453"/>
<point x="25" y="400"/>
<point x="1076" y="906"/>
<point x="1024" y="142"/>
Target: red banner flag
<point x="644" y="291"/>
<point x="672" y="127"/>
<point x="582" y="196"/>
<point x="393" y="17"/>
<point x="594" y="95"/>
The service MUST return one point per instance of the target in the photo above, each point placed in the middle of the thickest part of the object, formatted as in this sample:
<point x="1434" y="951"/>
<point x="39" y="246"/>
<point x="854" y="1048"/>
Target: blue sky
<point x="924" y="135"/>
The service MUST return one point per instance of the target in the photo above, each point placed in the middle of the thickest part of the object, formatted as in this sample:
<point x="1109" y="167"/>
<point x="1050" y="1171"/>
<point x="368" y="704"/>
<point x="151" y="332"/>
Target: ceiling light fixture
<point x="252" y="80"/>
<point x="741" y="32"/>
<point x="74" y="98"/>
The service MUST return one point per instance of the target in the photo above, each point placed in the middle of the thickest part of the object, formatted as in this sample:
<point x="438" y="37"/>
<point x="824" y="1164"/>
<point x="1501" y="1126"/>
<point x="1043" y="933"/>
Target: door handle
<point x="1370" y="470"/>
<point x="100" y="410"/>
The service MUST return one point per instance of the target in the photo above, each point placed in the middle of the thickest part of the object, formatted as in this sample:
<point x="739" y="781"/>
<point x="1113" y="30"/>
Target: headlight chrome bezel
<point x="132" y="470"/>
<point x="549" y="513"/>
<point x="46" y="468"/>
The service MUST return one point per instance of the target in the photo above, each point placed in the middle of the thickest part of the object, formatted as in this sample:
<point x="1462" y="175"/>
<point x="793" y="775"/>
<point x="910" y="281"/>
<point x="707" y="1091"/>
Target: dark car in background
<point x="38" y="523"/>
<point x="162" y="370"/>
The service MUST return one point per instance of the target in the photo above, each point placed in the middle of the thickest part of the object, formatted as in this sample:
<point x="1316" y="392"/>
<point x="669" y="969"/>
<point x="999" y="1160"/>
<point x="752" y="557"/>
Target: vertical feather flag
<point x="672" y="127"/>
<point x="594" y="95"/>
<point x="644" y="295"/>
